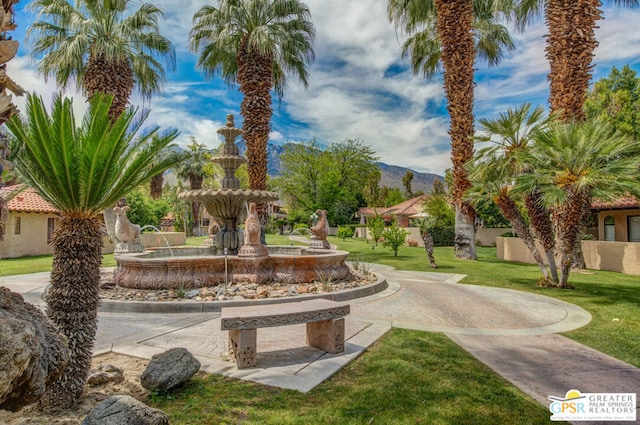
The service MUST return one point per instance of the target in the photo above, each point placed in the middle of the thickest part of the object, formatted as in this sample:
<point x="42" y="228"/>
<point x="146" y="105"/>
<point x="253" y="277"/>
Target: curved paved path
<point x="512" y="332"/>
<point x="434" y="302"/>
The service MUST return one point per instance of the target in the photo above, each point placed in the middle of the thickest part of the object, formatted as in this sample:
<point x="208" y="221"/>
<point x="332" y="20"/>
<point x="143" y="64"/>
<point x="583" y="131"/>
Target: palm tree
<point x="444" y="31"/>
<point x="101" y="48"/>
<point x="193" y="169"/>
<point x="81" y="169"/>
<point x="575" y="163"/>
<point x="488" y="183"/>
<point x="256" y="42"/>
<point x="570" y="47"/>
<point x="510" y="133"/>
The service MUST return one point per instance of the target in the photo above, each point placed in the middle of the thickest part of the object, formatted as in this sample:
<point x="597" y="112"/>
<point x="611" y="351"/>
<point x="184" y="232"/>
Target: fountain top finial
<point x="230" y="121"/>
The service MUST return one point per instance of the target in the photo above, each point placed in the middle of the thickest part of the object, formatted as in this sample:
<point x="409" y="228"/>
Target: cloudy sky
<point x="360" y="86"/>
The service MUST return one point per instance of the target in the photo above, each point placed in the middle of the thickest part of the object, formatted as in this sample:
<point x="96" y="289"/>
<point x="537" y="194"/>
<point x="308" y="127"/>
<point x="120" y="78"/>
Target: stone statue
<point x="252" y="246"/>
<point x="320" y="231"/>
<point x="126" y="231"/>
<point x="252" y="226"/>
<point x="128" y="234"/>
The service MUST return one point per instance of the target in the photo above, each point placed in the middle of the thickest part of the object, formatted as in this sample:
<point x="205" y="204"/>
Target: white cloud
<point x="352" y="93"/>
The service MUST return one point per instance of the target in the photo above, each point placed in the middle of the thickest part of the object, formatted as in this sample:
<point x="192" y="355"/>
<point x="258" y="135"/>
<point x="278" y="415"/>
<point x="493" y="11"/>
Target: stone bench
<point x="324" y="319"/>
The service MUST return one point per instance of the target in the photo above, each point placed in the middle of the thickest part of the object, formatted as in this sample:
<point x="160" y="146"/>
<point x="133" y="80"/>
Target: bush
<point x="344" y="232"/>
<point x="442" y="235"/>
<point x="394" y="237"/>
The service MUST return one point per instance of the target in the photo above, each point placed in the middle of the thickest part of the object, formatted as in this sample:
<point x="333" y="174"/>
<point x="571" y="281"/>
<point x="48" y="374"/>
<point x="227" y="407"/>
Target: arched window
<point x="609" y="228"/>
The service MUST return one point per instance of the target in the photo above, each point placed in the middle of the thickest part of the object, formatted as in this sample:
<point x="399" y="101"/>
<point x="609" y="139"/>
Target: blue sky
<point x="360" y="86"/>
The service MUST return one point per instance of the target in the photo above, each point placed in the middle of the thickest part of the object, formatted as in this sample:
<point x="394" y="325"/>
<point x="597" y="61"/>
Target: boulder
<point x="105" y="374"/>
<point x="170" y="369"/>
<point x="124" y="409"/>
<point x="32" y="353"/>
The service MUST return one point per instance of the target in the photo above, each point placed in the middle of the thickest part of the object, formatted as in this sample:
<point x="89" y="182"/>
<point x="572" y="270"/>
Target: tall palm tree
<point x="452" y="32"/>
<point x="81" y="169"/>
<point x="508" y="134"/>
<point x="575" y="163"/>
<point x="570" y="47"/>
<point x="256" y="42"/>
<point x="101" y="46"/>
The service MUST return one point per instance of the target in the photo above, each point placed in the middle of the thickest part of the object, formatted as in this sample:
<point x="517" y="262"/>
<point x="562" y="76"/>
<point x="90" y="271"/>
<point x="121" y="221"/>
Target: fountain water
<point x="234" y="257"/>
<point x="149" y="226"/>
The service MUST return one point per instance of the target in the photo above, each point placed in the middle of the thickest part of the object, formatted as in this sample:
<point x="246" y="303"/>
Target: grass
<point x="407" y="377"/>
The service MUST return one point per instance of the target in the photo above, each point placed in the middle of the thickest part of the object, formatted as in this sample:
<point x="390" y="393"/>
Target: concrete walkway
<point x="514" y="333"/>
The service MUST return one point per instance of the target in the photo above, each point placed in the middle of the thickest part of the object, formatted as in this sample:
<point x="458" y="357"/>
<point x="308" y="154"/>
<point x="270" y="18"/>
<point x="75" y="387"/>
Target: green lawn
<point x="407" y="377"/>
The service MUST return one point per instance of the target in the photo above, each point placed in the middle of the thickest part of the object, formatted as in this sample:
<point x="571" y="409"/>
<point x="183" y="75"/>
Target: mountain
<point x="391" y="176"/>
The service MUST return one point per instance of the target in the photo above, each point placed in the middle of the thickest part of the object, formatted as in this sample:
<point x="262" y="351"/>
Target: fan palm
<point x="570" y="47"/>
<point x="256" y="42"/>
<point x="451" y="32"/>
<point x="193" y="169"/>
<point x="510" y="133"/>
<point x="488" y="183"/>
<point x="81" y="169"/>
<point x="102" y="47"/>
<point x="575" y="163"/>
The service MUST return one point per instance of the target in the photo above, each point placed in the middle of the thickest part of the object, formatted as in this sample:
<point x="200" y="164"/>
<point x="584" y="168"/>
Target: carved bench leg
<point x="326" y="335"/>
<point x="242" y="347"/>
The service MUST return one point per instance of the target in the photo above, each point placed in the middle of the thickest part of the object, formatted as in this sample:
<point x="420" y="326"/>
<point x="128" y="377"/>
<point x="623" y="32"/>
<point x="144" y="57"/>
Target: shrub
<point x="394" y="237"/>
<point x="344" y="232"/>
<point x="442" y="235"/>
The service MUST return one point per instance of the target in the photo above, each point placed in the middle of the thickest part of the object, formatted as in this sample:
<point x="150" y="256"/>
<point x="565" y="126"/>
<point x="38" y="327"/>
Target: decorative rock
<point x="124" y="409"/>
<point x="192" y="293"/>
<point x="104" y="374"/>
<point x="33" y="354"/>
<point x="170" y="369"/>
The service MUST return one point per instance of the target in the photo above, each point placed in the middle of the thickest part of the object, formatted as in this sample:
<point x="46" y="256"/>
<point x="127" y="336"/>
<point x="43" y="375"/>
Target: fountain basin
<point x="196" y="267"/>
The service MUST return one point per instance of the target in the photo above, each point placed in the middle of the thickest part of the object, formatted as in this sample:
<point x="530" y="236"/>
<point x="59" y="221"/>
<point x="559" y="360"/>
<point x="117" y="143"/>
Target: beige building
<point x="29" y="225"/>
<point x="618" y="221"/>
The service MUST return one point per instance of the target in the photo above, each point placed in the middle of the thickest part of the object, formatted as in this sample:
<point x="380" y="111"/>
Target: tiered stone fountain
<point x="229" y="204"/>
<point x="233" y="258"/>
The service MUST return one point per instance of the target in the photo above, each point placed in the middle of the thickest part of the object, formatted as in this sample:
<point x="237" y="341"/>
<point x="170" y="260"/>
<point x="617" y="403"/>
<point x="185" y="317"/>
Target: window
<point x="633" y="224"/>
<point x="609" y="228"/>
<point x="16" y="227"/>
<point x="51" y="228"/>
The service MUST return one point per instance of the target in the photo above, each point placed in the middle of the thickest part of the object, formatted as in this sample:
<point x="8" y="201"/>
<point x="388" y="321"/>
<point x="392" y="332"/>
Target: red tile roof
<point x="620" y="203"/>
<point x="28" y="201"/>
<point x="409" y="207"/>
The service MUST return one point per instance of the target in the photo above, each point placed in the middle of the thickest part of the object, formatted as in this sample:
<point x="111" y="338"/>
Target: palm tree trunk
<point x="72" y="305"/>
<point x="567" y="223"/>
<point x="155" y="186"/>
<point x="112" y="77"/>
<point x="578" y="255"/>
<point x="510" y="210"/>
<point x="543" y="228"/>
<point x="454" y="27"/>
<point x="195" y="183"/>
<point x="256" y="81"/>
<point x="570" y="49"/>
